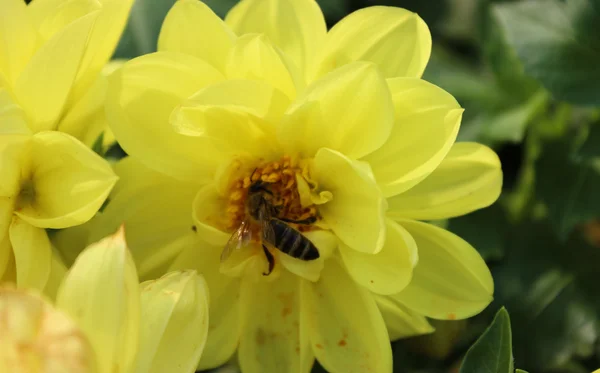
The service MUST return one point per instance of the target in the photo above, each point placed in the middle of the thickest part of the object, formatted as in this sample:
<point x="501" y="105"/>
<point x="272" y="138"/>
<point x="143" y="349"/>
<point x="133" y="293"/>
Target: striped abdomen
<point x="292" y="242"/>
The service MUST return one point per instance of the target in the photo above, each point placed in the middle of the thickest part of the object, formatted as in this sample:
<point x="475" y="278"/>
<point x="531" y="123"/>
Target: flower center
<point x="26" y="194"/>
<point x="280" y="179"/>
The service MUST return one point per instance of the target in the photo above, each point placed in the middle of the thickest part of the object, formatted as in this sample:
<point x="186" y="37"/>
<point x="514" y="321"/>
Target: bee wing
<point x="268" y="233"/>
<point x="240" y="238"/>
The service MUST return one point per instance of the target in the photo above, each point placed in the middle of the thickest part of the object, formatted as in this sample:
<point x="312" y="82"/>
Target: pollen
<point x="280" y="179"/>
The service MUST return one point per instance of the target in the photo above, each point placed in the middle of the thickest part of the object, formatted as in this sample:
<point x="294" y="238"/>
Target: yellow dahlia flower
<point x="104" y="321"/>
<point x="51" y="96"/>
<point x="344" y="141"/>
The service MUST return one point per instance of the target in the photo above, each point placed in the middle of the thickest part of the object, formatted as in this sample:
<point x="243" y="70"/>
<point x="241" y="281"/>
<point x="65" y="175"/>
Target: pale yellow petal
<point x="70" y="242"/>
<point x="174" y="323"/>
<point x="18" y="39"/>
<point x="401" y="321"/>
<point x="101" y="293"/>
<point x="274" y="341"/>
<point x="141" y="96"/>
<point x="210" y="216"/>
<point x="146" y="201"/>
<point x="427" y="120"/>
<point x="469" y="178"/>
<point x="356" y="212"/>
<point x="297" y="27"/>
<point x="388" y="271"/>
<point x="396" y="40"/>
<point x="36" y="337"/>
<point x="52" y="16"/>
<point x="86" y="119"/>
<point x="14" y="162"/>
<point x="12" y="117"/>
<point x="238" y="117"/>
<point x="253" y="57"/>
<point x="33" y="254"/>
<point x="344" y="325"/>
<point x="58" y="271"/>
<point x="349" y="110"/>
<point x="224" y="322"/>
<point x="69" y="182"/>
<point x="191" y="27"/>
<point x="451" y="280"/>
<point x="43" y="87"/>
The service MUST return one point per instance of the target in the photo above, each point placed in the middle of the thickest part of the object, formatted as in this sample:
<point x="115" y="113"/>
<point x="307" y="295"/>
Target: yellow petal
<point x="426" y="124"/>
<point x="37" y="338"/>
<point x="396" y="40"/>
<point x="451" y="280"/>
<point x="210" y="216"/>
<point x="14" y="162"/>
<point x="253" y="57"/>
<point x="160" y="81"/>
<point x="388" y="271"/>
<point x="18" y="39"/>
<point x="224" y="323"/>
<point x="469" y="178"/>
<point x="191" y="27"/>
<point x="349" y="110"/>
<point x="6" y="212"/>
<point x="346" y="330"/>
<point x="144" y="202"/>
<point x="402" y="322"/>
<point x="273" y="342"/>
<point x="69" y="182"/>
<point x="44" y="85"/>
<point x="58" y="271"/>
<point x="235" y="116"/>
<point x="51" y="16"/>
<point x="86" y="119"/>
<point x="101" y="293"/>
<point x="356" y="212"/>
<point x="70" y="242"/>
<point x="297" y="27"/>
<point x="12" y="116"/>
<point x="174" y="323"/>
<point x="33" y="254"/>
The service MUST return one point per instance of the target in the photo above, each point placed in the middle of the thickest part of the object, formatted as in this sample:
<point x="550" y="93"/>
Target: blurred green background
<point x="528" y="75"/>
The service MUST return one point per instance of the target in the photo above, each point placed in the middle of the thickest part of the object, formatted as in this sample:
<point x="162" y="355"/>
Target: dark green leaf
<point x="220" y="7"/>
<point x="558" y="44"/>
<point x="492" y="353"/>
<point x="591" y="146"/>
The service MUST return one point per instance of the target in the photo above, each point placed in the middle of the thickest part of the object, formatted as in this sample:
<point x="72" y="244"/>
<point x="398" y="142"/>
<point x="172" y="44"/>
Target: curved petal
<point x="18" y="39"/>
<point x="349" y="110"/>
<point x="210" y="218"/>
<point x="36" y="337"/>
<point x="388" y="271"/>
<point x="174" y="323"/>
<point x="86" y="119"/>
<point x="147" y="201"/>
<point x="101" y="293"/>
<point x="297" y="27"/>
<point x="469" y="178"/>
<point x="396" y="40"/>
<point x="43" y="95"/>
<point x="224" y="324"/>
<point x="69" y="182"/>
<point x="160" y="81"/>
<point x="33" y="254"/>
<point x="357" y="211"/>
<point x="451" y="280"/>
<point x="274" y="342"/>
<point x="254" y="57"/>
<point x="58" y="271"/>
<point x="402" y="322"/>
<point x="52" y="16"/>
<point x="12" y="116"/>
<point x="427" y="120"/>
<point x="14" y="163"/>
<point x="191" y="27"/>
<point x="345" y="328"/>
<point x="237" y="116"/>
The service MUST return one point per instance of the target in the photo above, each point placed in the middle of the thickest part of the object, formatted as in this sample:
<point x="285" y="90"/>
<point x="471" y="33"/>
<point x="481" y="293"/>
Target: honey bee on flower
<point x="271" y="135"/>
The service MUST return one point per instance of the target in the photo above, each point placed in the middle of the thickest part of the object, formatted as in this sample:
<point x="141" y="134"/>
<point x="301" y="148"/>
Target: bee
<point x="272" y="230"/>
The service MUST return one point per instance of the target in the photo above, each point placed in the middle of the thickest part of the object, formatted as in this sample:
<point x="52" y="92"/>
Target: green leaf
<point x="591" y="146"/>
<point x="520" y="371"/>
<point x="558" y="44"/>
<point x="568" y="186"/>
<point x="220" y="7"/>
<point x="141" y="33"/>
<point x="492" y="353"/>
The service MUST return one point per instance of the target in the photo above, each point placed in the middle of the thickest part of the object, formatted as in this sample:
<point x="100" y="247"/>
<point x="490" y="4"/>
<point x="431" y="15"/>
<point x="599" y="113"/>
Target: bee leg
<point x="270" y="259"/>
